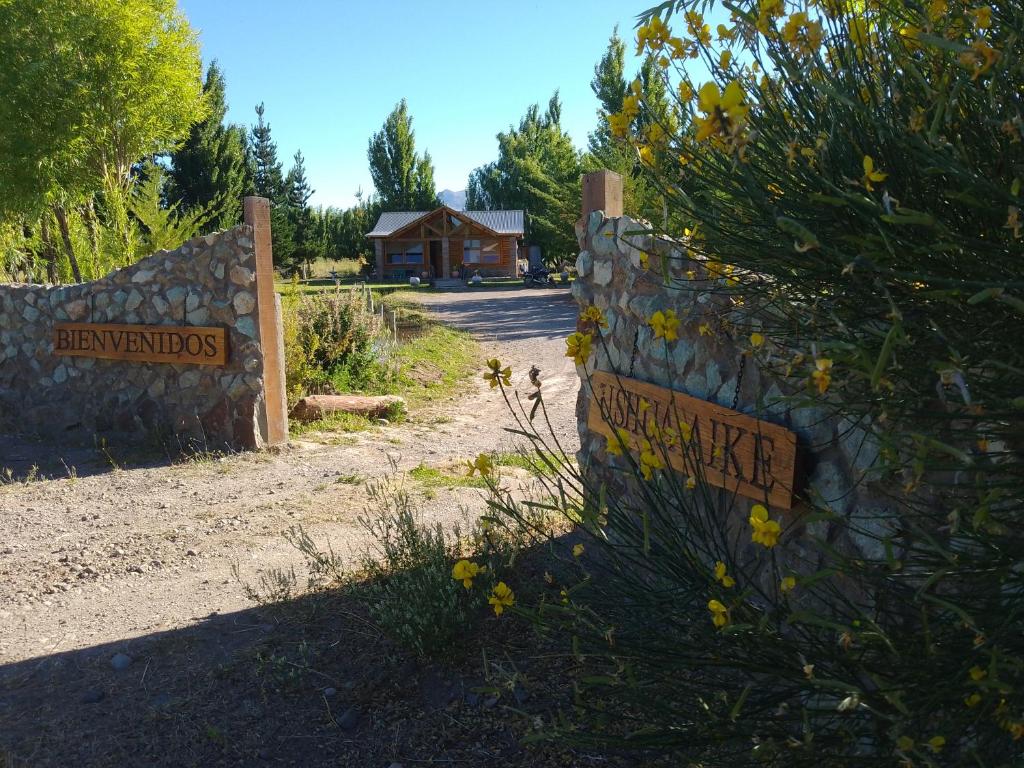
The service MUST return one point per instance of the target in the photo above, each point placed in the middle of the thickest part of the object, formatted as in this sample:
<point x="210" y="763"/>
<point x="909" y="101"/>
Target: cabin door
<point x="435" y="258"/>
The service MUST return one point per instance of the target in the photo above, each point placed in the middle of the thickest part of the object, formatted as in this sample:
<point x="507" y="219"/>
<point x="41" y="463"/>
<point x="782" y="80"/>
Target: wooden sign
<point x="142" y="343"/>
<point x="754" y="458"/>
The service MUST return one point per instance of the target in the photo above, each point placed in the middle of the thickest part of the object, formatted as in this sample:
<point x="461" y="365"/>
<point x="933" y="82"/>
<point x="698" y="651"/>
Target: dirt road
<point x="105" y="554"/>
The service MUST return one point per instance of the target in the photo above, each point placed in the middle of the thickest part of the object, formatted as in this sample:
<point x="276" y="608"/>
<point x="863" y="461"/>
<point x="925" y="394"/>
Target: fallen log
<point x="318" y="406"/>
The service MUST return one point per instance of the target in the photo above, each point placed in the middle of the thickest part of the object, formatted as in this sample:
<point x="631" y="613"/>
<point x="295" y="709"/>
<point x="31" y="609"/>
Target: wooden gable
<point x="444" y="222"/>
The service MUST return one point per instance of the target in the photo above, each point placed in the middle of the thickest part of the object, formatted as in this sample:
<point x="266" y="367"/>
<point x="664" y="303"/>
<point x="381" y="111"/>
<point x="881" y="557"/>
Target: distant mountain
<point x="453" y="199"/>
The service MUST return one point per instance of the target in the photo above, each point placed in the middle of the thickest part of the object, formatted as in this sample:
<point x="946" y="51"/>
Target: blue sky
<point x="329" y="72"/>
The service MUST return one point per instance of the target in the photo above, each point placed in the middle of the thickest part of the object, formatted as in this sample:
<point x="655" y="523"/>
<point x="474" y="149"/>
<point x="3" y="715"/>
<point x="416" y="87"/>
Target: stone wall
<point x="208" y="281"/>
<point x="836" y="456"/>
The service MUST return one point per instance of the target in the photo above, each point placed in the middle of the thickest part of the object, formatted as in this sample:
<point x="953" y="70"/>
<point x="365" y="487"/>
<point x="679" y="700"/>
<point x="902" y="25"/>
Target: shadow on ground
<point x="307" y="683"/>
<point x="27" y="457"/>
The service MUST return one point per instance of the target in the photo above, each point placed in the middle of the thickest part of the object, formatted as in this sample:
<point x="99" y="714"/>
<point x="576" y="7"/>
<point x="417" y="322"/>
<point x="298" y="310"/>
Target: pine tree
<point x="404" y="180"/>
<point x="268" y="181"/>
<point x="304" y="237"/>
<point x="268" y="175"/>
<point x="208" y="171"/>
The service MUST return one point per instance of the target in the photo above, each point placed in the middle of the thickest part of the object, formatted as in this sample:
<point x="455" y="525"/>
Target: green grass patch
<point x="308" y="287"/>
<point x="433" y="477"/>
<point x="335" y="422"/>
<point x="435" y="364"/>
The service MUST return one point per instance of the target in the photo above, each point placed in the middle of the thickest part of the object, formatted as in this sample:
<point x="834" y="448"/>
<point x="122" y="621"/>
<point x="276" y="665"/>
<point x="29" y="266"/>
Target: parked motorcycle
<point x="537" y="277"/>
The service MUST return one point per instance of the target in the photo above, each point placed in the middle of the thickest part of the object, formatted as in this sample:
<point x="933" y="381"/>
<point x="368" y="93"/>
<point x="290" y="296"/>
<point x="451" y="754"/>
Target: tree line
<point x="116" y="144"/>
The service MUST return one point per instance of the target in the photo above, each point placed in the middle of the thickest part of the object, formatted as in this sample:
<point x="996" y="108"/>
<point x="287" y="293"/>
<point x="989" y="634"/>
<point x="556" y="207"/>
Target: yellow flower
<point x="482" y="464"/>
<point x="765" y="530"/>
<point x="980" y="58"/>
<point x="690" y="483"/>
<point x="788" y="584"/>
<point x="498" y="373"/>
<point x="501" y="598"/>
<point x="685" y="92"/>
<point x="616" y="444"/>
<point x="822" y="375"/>
<point x="936" y="743"/>
<point x="594" y="315"/>
<point x="870" y="174"/>
<point x="619" y="124"/>
<point x="801" y="33"/>
<point x="721" y="576"/>
<point x="705" y="329"/>
<point x="756" y="340"/>
<point x="577" y="550"/>
<point x="982" y="17"/>
<point x="665" y="325"/>
<point x="977" y="673"/>
<point x="973" y="700"/>
<point x="646" y="155"/>
<point x="652" y="35"/>
<point x="725" y="59"/>
<point x="719" y="613"/>
<point x="465" y="571"/>
<point x="723" y="109"/>
<point x="724" y="33"/>
<point x="649" y="460"/>
<point x="904" y="743"/>
<point x="578" y="347"/>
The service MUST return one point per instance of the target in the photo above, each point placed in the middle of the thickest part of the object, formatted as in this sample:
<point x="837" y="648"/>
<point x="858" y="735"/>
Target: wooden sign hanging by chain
<point x="731" y="450"/>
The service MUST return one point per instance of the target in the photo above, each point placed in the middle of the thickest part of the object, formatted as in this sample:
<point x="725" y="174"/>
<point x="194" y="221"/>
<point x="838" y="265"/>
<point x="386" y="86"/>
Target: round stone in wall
<point x="244" y="302"/>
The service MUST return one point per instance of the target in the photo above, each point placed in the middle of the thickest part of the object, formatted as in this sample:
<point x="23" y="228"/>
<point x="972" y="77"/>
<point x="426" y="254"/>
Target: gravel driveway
<point x="105" y="554"/>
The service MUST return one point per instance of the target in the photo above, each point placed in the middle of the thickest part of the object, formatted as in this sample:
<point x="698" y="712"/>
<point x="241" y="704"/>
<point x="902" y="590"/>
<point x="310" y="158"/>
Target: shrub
<point x="849" y="181"/>
<point x="333" y="343"/>
<point x="411" y="592"/>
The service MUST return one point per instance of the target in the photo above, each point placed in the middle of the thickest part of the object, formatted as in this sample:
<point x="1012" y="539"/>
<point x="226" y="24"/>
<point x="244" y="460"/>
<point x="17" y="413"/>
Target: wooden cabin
<point x="447" y="243"/>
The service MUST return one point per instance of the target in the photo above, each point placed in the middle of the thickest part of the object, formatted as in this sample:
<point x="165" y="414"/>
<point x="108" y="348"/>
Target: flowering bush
<point x="333" y="343"/>
<point x="847" y="179"/>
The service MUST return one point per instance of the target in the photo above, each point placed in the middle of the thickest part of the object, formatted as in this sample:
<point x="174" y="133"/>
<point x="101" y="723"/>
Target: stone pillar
<point x="446" y="259"/>
<point x="273" y="418"/>
<point x="602" y="191"/>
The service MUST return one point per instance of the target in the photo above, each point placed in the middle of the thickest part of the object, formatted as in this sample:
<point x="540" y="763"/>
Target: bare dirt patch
<point x="105" y="552"/>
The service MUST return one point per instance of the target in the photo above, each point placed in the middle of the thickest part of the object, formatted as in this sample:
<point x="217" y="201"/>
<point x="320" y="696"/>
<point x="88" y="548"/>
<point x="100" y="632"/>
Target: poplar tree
<point x="404" y="180"/>
<point x="537" y="170"/>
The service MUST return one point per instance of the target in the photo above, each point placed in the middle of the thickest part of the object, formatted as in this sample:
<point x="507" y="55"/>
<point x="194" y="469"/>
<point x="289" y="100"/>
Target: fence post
<point x="274" y="412"/>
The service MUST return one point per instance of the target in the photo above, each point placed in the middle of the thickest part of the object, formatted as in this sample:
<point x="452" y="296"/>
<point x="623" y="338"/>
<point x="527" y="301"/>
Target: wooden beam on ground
<point x="318" y="406"/>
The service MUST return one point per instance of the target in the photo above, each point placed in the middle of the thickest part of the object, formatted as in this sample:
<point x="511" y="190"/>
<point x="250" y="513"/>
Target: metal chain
<point x="739" y="381"/>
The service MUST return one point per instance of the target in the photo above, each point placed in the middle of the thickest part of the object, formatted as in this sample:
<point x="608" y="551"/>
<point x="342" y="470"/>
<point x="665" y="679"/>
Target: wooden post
<point x="274" y="416"/>
<point x="602" y="191"/>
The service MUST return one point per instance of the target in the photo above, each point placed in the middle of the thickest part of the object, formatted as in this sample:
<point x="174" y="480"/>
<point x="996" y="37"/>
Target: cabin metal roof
<point x="500" y="222"/>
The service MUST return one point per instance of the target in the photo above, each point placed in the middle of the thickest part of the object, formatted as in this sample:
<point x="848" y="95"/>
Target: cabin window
<point x="471" y="252"/>
<point x="490" y="253"/>
<point x="399" y="253"/>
